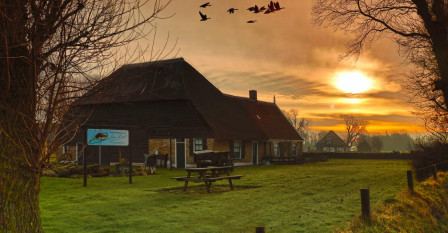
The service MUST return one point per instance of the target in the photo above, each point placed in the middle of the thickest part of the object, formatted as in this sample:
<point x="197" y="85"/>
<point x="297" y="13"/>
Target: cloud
<point x="285" y="55"/>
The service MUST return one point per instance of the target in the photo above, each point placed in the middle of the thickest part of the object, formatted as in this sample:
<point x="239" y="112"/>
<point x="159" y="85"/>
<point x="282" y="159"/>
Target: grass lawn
<point x="318" y="197"/>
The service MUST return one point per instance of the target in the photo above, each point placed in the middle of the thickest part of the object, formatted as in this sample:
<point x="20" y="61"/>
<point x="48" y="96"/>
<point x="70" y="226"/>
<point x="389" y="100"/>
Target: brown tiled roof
<point x="229" y="117"/>
<point x="335" y="142"/>
<point x="269" y="118"/>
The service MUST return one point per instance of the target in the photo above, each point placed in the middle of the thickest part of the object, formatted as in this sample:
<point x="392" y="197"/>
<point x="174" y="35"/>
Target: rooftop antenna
<point x="274" y="99"/>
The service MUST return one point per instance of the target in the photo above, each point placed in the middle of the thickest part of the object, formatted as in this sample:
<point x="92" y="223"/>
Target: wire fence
<point x="339" y="199"/>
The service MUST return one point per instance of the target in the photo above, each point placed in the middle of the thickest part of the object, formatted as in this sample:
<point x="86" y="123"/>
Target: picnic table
<point x="207" y="158"/>
<point x="208" y="175"/>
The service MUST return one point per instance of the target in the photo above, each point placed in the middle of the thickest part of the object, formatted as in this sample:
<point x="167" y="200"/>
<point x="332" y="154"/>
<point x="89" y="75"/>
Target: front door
<point x="255" y="153"/>
<point x="180" y="152"/>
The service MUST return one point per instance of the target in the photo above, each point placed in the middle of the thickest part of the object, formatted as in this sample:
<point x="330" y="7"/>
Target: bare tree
<point x="355" y="128"/>
<point x="435" y="121"/>
<point x="419" y="27"/>
<point x="302" y="125"/>
<point x="50" y="52"/>
<point x="291" y="115"/>
<point x="377" y="143"/>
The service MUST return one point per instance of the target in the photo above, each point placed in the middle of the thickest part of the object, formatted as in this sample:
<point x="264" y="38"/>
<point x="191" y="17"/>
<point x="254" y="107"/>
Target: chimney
<point x="253" y="94"/>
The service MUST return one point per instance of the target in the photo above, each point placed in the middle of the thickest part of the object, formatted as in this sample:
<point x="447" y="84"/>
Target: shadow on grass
<point x="201" y="189"/>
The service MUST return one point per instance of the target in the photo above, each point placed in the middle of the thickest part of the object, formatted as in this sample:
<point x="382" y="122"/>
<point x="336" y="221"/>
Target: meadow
<point x="312" y="197"/>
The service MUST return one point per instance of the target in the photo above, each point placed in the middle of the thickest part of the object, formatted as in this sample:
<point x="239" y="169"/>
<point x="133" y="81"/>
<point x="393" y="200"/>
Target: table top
<point x="208" y="168"/>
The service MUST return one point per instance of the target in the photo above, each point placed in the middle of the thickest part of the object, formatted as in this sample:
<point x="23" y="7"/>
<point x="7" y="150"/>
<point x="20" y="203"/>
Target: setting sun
<point x="353" y="82"/>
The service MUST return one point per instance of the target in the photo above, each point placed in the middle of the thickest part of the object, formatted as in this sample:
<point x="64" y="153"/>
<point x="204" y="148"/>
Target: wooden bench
<point x="192" y="178"/>
<point x="207" y="175"/>
<point x="229" y="178"/>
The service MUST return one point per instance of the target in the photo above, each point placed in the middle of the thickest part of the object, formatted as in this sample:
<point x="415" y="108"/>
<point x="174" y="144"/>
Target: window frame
<point x="276" y="149"/>
<point x="240" y="143"/>
<point x="294" y="148"/>
<point x="201" y="143"/>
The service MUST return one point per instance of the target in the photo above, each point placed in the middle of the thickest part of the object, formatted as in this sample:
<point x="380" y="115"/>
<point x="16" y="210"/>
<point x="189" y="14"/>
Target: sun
<point x="353" y="82"/>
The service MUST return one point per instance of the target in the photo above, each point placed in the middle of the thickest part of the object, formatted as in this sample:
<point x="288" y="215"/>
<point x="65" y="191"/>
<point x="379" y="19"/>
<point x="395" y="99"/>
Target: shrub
<point x="94" y="168"/>
<point x="427" y="155"/>
<point x="75" y="171"/>
<point x="62" y="172"/>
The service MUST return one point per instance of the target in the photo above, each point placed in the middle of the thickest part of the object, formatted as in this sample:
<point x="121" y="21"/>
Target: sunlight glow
<point x="352" y="82"/>
<point x="352" y="100"/>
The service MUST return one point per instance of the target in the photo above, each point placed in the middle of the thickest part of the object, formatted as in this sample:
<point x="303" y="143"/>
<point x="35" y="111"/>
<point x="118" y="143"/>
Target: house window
<point x="276" y="149"/>
<point x="198" y="144"/>
<point x="65" y="149"/>
<point x="237" y="149"/>
<point x="294" y="149"/>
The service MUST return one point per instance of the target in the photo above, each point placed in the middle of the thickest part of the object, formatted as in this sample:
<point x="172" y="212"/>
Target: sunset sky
<point x="286" y="55"/>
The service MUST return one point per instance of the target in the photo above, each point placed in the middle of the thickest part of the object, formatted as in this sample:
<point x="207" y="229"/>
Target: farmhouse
<point x="364" y="146"/>
<point x="168" y="107"/>
<point x="331" y="142"/>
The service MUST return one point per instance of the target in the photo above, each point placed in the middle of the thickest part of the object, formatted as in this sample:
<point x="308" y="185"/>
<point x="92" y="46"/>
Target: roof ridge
<point x="156" y="62"/>
<point x="246" y="98"/>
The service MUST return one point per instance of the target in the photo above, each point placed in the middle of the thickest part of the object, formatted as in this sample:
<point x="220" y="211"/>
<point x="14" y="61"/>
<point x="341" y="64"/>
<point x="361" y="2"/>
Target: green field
<point x="317" y="197"/>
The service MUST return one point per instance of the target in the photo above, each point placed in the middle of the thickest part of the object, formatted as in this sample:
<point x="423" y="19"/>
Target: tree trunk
<point x="19" y="194"/>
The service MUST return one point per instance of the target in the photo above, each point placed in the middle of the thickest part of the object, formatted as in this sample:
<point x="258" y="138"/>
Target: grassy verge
<point x="424" y="210"/>
<point x="316" y="197"/>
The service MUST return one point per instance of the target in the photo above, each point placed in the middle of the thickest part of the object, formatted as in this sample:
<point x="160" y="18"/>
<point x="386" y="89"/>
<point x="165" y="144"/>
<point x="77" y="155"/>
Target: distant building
<point x="364" y="146"/>
<point x="331" y="142"/>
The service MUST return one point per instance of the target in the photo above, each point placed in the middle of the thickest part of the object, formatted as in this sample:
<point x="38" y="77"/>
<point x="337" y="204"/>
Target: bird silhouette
<point x="203" y="17"/>
<point x="271" y="7"/>
<point x="251" y="21"/>
<point x="231" y="10"/>
<point x="277" y="6"/>
<point x="256" y="9"/>
<point x="205" y="5"/>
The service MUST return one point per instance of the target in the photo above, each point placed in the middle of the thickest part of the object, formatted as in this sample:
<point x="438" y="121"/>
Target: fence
<point x="348" y="155"/>
<point x="365" y="193"/>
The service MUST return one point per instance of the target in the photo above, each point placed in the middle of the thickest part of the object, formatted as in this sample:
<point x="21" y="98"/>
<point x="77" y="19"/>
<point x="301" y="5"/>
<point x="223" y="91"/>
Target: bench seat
<point x="223" y="178"/>
<point x="192" y="178"/>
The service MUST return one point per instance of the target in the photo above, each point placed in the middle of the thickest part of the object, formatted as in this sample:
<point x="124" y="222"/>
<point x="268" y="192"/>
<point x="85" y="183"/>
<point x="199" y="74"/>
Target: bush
<point x="428" y="155"/>
<point x="94" y="168"/>
<point x="75" y="171"/>
<point x="62" y="172"/>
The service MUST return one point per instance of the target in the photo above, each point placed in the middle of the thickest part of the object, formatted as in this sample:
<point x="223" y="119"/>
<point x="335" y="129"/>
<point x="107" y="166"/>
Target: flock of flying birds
<point x="271" y="8"/>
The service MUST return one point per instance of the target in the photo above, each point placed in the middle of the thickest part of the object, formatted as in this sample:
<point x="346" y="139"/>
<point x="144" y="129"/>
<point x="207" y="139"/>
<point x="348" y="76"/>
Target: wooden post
<point x="84" y="162"/>
<point x="434" y="172"/>
<point x="365" y="204"/>
<point x="259" y="229"/>
<point x="130" y="157"/>
<point x="410" y="181"/>
<point x="171" y="159"/>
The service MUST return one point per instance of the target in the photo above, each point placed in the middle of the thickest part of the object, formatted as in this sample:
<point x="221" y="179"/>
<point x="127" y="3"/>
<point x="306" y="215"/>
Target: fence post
<point x="365" y="204"/>
<point x="434" y="172"/>
<point x="410" y="181"/>
<point x="259" y="229"/>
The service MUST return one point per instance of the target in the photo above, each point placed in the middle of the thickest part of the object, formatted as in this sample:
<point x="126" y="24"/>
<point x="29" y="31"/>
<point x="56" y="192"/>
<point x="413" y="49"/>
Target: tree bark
<point x="19" y="195"/>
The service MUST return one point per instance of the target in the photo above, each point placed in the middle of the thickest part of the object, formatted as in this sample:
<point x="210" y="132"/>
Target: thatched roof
<point x="229" y="117"/>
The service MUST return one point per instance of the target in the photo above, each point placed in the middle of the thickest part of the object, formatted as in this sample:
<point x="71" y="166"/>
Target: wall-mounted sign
<point x="107" y="137"/>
